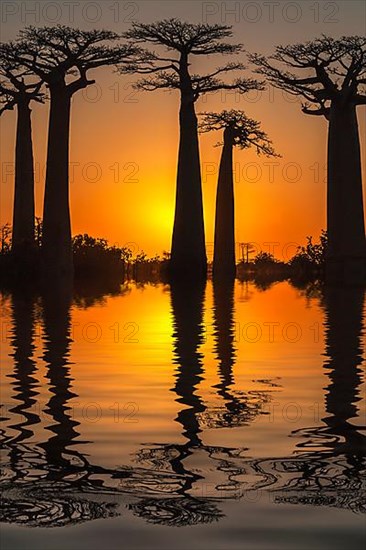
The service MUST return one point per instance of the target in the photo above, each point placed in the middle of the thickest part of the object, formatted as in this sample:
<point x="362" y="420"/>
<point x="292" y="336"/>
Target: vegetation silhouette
<point x="95" y="256"/>
<point x="101" y="268"/>
<point x="330" y="75"/>
<point x="310" y="259"/>
<point x="56" y="54"/>
<point x="172" y="72"/>
<point x="19" y="88"/>
<point x="305" y="267"/>
<point x="243" y="132"/>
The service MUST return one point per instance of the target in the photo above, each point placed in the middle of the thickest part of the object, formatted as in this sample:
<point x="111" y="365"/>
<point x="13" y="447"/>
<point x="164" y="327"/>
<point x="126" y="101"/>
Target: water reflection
<point x="24" y="383"/>
<point x="187" y="310"/>
<point x="38" y="480"/>
<point x="57" y="340"/>
<point x="24" y="366"/>
<point x="51" y="482"/>
<point x="181" y="508"/>
<point x="238" y="408"/>
<point x="329" y="467"/>
<point x="344" y="329"/>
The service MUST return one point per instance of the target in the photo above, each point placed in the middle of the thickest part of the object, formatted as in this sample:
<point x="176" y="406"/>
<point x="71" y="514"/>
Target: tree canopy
<point x="319" y="71"/>
<point x="186" y="39"/>
<point x="245" y="131"/>
<point x="17" y="83"/>
<point x="54" y="53"/>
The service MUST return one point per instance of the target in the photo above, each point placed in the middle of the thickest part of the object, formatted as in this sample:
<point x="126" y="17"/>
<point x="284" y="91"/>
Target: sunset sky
<point x="124" y="143"/>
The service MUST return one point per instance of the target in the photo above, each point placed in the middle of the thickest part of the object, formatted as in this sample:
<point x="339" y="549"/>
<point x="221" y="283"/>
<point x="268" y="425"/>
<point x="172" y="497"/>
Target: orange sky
<point x="124" y="144"/>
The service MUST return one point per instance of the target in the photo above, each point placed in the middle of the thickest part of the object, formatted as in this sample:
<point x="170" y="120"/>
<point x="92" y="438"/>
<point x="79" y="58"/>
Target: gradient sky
<point x="124" y="143"/>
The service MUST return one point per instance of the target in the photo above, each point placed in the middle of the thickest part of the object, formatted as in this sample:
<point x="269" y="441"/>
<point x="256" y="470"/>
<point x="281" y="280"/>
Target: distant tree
<point x="140" y="257"/>
<point x="316" y="252"/>
<point x="243" y="132"/>
<point x="330" y="75"/>
<point x="18" y="88"/>
<point x="94" y="256"/>
<point x="265" y="258"/>
<point x="62" y="56"/>
<point x="311" y="257"/>
<point x="172" y="71"/>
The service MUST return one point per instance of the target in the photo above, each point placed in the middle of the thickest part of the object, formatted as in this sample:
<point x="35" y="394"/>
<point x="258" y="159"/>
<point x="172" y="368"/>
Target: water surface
<point x="184" y="417"/>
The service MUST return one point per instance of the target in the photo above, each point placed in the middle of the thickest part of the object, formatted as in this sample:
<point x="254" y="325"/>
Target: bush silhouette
<point x="94" y="256"/>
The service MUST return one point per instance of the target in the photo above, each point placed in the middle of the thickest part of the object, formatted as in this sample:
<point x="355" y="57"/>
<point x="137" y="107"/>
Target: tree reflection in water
<point x="54" y="484"/>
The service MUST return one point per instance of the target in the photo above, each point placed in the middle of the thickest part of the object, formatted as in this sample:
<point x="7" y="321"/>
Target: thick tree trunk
<point x="346" y="229"/>
<point x="23" y="216"/>
<point x="56" y="244"/>
<point x="224" y="247"/>
<point x="188" y="253"/>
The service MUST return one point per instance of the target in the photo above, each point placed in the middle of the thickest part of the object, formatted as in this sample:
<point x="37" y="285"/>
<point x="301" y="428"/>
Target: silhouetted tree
<point x="94" y="257"/>
<point x="264" y="258"/>
<point x="61" y="56"/>
<point x="172" y="72"/>
<point x="310" y="259"/>
<point x="330" y="74"/>
<point x="239" y="131"/>
<point x="18" y="88"/>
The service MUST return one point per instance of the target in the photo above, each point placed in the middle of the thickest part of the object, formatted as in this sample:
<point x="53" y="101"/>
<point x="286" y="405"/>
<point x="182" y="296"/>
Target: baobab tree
<point x="330" y="75"/>
<point x="171" y="71"/>
<point x="18" y="88"/>
<point x="62" y="56"/>
<point x="242" y="132"/>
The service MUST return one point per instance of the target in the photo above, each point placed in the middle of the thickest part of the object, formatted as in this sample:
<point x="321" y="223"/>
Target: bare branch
<point x="18" y="83"/>
<point x="185" y="39"/>
<point x="80" y="83"/>
<point x="54" y="53"/>
<point x="332" y="67"/>
<point x="7" y="103"/>
<point x="321" y="111"/>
